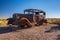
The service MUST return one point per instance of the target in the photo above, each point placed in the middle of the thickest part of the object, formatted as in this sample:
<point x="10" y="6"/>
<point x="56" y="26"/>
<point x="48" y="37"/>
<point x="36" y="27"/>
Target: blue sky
<point x="9" y="7"/>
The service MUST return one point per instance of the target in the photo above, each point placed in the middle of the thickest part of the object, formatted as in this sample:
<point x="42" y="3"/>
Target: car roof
<point x="33" y="10"/>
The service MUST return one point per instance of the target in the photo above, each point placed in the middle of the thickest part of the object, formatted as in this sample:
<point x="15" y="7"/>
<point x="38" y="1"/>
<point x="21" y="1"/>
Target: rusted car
<point x="30" y="17"/>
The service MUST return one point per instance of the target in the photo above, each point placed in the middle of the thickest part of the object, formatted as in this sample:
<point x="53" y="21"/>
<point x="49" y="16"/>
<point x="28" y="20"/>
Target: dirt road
<point x="44" y="32"/>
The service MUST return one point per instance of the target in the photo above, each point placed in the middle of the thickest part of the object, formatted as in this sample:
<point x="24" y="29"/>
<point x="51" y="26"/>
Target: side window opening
<point x="41" y="14"/>
<point x="26" y="12"/>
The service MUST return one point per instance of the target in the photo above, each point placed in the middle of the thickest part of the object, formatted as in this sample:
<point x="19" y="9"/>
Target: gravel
<point x="43" y="32"/>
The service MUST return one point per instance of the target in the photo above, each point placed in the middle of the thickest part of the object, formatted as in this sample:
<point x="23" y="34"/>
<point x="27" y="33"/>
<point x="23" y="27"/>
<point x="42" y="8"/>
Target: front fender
<point x="24" y="21"/>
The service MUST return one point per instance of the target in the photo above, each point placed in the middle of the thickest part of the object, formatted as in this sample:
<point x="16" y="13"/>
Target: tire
<point x="28" y="24"/>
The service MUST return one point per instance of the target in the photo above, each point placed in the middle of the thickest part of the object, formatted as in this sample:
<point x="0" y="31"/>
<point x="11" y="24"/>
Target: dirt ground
<point x="43" y="32"/>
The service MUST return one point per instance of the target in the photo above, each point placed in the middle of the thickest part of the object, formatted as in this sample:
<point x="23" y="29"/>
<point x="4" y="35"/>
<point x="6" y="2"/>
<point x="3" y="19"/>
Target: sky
<point x="9" y="7"/>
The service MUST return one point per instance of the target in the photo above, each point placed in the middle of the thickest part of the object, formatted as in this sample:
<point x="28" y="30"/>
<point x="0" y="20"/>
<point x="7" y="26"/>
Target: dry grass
<point x="53" y="20"/>
<point x="3" y="22"/>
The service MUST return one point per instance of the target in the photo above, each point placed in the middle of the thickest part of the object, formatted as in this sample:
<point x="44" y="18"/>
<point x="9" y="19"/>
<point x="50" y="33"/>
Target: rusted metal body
<point x="30" y="16"/>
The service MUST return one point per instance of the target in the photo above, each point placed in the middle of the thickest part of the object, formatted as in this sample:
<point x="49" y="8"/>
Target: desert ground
<point x="43" y="32"/>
